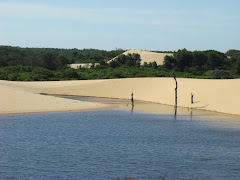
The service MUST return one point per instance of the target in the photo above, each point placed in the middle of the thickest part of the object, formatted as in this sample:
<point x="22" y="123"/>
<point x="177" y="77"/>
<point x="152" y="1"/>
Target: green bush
<point x="70" y="73"/>
<point x="12" y="77"/>
<point x="219" y="74"/>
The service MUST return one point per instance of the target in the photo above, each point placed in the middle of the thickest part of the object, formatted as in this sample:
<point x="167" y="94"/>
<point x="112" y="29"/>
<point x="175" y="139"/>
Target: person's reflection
<point x="175" y="112"/>
<point x="132" y="107"/>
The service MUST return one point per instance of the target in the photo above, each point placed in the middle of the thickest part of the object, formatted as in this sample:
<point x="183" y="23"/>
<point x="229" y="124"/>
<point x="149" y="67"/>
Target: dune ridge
<point x="213" y="95"/>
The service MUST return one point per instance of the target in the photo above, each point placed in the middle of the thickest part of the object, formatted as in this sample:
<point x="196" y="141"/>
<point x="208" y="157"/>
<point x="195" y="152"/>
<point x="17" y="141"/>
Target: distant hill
<point x="147" y="56"/>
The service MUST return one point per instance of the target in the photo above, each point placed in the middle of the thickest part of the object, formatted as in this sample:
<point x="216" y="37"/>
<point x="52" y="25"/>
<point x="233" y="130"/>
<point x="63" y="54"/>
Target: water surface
<point x="118" y="144"/>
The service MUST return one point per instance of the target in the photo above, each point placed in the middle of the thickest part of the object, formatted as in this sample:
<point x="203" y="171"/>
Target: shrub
<point x="219" y="74"/>
<point x="12" y="77"/>
<point x="70" y="73"/>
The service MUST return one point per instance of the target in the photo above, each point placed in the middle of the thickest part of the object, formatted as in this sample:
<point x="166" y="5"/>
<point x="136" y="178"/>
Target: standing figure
<point x="132" y="100"/>
<point x="174" y="76"/>
<point x="191" y="98"/>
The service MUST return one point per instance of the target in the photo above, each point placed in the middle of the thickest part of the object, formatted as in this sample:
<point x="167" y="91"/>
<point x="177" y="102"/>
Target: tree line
<point x="201" y="62"/>
<point x="52" y="58"/>
<point x="41" y="64"/>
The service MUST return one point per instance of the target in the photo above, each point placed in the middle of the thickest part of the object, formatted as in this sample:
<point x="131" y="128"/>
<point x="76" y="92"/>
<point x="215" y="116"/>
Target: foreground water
<point x="117" y="144"/>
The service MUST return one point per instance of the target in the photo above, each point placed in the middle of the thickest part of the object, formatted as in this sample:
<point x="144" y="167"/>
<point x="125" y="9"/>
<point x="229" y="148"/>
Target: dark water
<point x="115" y="144"/>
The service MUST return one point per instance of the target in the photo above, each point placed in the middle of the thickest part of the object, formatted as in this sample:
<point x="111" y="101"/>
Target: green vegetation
<point x="13" y="56"/>
<point x="208" y="64"/>
<point x="233" y="53"/>
<point x="127" y="60"/>
<point x="41" y="64"/>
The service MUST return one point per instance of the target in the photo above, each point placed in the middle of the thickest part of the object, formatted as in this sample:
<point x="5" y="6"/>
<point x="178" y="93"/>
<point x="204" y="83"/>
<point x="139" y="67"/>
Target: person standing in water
<point x="132" y="100"/>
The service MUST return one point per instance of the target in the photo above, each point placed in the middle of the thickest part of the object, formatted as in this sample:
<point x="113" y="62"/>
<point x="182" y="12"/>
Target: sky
<point x="164" y="25"/>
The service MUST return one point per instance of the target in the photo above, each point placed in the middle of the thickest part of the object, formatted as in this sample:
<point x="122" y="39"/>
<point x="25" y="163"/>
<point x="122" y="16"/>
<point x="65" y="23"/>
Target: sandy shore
<point x="18" y="98"/>
<point x="213" y="95"/>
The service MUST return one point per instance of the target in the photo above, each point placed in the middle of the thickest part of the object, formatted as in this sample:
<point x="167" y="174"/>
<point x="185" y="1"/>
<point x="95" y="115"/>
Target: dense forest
<point x="13" y="56"/>
<point x="208" y="64"/>
<point x="41" y="64"/>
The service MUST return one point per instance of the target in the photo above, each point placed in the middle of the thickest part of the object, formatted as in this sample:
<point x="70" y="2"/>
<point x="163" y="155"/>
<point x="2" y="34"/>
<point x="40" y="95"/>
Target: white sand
<point x="82" y="65"/>
<point x="147" y="56"/>
<point x="17" y="97"/>
<point x="214" y="95"/>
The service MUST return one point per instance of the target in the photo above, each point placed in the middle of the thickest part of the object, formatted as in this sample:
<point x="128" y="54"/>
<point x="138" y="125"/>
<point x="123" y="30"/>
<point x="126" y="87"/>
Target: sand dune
<point x="214" y="95"/>
<point x="82" y="65"/>
<point x="147" y="56"/>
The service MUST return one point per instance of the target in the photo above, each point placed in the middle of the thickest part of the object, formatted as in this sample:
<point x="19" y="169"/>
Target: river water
<point x="119" y="144"/>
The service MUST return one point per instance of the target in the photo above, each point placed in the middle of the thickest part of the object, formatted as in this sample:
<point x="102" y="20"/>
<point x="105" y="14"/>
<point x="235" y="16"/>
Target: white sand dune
<point x="214" y="95"/>
<point x="147" y="56"/>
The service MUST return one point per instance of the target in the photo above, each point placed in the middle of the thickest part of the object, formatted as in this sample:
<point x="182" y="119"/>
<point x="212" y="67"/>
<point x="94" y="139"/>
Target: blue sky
<point x="127" y="24"/>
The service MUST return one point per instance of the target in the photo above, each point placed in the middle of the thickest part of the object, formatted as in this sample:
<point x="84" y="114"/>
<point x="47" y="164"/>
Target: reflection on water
<point x="219" y="119"/>
<point x="120" y="144"/>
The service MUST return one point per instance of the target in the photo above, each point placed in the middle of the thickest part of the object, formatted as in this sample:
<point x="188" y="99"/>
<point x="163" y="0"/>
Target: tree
<point x="63" y="61"/>
<point x="96" y="57"/>
<point x="184" y="59"/>
<point x="237" y="67"/>
<point x="214" y="60"/>
<point x="199" y="58"/>
<point x="169" y="62"/>
<point x="145" y="64"/>
<point x="102" y="63"/>
<point x="129" y="60"/>
<point x="70" y="73"/>
<point x="3" y="60"/>
<point x="137" y="59"/>
<point x="42" y="73"/>
<point x="154" y="64"/>
<point x="113" y="64"/>
<point x="233" y="53"/>
<point x="49" y="61"/>
<point x="75" y="54"/>
<point x="81" y="57"/>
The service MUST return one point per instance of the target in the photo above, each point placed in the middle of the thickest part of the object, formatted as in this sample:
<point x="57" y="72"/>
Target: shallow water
<point x="218" y="119"/>
<point x="117" y="144"/>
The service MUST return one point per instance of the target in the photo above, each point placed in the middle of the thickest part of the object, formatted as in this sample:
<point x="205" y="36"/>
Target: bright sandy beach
<point x="27" y="97"/>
